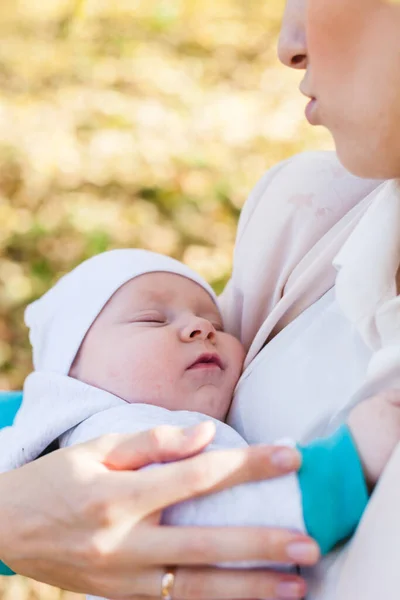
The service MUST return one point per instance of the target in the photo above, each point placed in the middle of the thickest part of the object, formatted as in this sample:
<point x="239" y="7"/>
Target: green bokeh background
<point x="131" y="123"/>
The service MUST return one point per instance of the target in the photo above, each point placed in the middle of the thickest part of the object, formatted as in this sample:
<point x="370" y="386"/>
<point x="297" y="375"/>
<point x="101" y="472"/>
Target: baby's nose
<point x="199" y="329"/>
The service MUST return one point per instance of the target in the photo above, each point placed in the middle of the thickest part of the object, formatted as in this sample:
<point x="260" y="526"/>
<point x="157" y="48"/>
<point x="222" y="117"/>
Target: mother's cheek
<point x="334" y="30"/>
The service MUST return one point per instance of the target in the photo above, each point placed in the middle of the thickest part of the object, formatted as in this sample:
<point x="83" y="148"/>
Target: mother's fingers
<point x="162" y="444"/>
<point x="207" y="473"/>
<point x="202" y="545"/>
<point x="224" y="584"/>
<point x="233" y="584"/>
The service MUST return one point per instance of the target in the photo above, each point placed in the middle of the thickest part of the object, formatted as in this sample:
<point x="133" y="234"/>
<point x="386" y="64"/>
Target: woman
<point x="332" y="333"/>
<point x="293" y="308"/>
<point x="368" y="144"/>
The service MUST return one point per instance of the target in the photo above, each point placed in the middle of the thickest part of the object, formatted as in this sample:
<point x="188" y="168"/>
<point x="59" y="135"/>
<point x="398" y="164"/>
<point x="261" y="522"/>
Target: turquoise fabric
<point x="9" y="405"/>
<point x="333" y="488"/>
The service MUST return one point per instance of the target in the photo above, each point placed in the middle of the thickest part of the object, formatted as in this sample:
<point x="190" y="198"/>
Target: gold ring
<point x="167" y="584"/>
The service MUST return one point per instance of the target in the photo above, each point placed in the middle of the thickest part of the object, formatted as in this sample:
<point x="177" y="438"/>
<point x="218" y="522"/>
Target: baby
<point x="130" y="340"/>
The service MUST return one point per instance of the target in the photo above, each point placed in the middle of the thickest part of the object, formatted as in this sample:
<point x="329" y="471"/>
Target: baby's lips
<point x="208" y="358"/>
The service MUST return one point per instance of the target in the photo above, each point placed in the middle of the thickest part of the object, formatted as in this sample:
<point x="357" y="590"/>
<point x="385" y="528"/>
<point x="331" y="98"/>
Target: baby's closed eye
<point x="149" y="317"/>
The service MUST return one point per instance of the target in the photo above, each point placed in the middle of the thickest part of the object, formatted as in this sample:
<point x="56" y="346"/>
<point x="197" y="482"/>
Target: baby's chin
<point x="210" y="401"/>
<point x="207" y="399"/>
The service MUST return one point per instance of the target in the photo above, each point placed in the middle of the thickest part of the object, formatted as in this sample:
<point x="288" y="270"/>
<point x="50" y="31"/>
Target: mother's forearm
<point x="371" y="568"/>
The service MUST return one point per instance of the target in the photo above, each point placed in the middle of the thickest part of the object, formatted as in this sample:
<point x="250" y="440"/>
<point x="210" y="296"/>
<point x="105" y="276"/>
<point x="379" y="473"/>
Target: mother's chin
<point x="353" y="68"/>
<point x="368" y="156"/>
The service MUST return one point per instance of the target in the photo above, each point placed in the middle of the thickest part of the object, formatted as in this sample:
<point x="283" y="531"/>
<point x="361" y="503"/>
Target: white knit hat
<point x="59" y="320"/>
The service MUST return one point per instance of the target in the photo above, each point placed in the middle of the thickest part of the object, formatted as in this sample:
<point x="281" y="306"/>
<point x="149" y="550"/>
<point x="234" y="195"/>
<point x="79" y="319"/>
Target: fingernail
<point x="303" y="552"/>
<point x="284" y="458"/>
<point x="289" y="589"/>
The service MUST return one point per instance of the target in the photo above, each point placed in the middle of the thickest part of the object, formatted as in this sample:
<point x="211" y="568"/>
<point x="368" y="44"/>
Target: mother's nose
<point x="198" y="329"/>
<point x="292" y="45"/>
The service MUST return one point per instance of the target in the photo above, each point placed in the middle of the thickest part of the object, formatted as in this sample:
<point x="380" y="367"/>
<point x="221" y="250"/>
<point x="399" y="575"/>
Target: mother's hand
<point x="80" y="519"/>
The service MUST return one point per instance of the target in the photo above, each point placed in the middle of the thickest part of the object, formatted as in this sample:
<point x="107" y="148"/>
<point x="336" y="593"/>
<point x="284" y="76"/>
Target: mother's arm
<point x="371" y="569"/>
<point x="78" y="519"/>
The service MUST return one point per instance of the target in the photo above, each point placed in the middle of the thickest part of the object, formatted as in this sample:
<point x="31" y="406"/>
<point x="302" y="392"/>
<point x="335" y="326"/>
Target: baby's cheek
<point x="135" y="369"/>
<point x="113" y="372"/>
<point x="112" y="380"/>
<point x="237" y="359"/>
<point x="143" y="379"/>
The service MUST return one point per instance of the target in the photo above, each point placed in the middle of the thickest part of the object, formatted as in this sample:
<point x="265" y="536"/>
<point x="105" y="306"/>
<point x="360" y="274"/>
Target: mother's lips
<point x="207" y="359"/>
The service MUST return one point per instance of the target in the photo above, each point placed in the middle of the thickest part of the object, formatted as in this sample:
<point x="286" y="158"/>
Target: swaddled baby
<point x="130" y="340"/>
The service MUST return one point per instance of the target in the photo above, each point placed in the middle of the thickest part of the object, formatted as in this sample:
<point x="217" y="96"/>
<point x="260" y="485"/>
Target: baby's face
<point x="160" y="341"/>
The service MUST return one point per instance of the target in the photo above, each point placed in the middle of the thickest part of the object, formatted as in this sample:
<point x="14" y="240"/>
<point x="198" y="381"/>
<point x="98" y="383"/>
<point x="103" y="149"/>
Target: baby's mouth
<point x="207" y="361"/>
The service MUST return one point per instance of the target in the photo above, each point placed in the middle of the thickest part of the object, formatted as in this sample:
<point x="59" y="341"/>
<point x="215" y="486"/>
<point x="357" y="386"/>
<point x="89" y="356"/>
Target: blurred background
<point x="138" y="123"/>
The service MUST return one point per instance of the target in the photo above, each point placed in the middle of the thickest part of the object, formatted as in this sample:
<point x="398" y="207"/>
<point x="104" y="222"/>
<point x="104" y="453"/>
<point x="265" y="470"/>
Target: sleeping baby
<point x="130" y="340"/>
